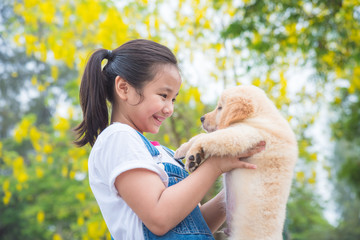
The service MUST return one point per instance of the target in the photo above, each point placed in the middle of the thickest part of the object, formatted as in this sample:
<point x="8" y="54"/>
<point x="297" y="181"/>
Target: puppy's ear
<point x="235" y="110"/>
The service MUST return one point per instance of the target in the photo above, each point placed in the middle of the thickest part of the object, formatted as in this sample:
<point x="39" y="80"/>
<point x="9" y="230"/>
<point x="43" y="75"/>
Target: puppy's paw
<point x="195" y="157"/>
<point x="180" y="153"/>
<point x="194" y="161"/>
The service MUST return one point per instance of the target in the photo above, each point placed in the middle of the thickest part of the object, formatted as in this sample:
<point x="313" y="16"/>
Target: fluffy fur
<point x="255" y="199"/>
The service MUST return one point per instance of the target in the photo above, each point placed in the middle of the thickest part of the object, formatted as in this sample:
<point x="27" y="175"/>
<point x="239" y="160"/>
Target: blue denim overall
<point x="193" y="227"/>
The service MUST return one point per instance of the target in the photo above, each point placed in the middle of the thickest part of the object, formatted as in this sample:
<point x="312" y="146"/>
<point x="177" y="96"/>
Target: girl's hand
<point x="251" y="151"/>
<point x="226" y="164"/>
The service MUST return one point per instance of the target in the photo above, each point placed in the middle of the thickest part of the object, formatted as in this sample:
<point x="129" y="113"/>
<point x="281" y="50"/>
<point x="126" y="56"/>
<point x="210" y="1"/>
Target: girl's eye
<point x="219" y="108"/>
<point x="174" y="100"/>
<point x="163" y="95"/>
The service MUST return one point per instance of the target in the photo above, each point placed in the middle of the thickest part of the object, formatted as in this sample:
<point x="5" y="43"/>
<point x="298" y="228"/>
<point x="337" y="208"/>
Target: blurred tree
<point x="345" y="174"/>
<point x="346" y="193"/>
<point x="346" y="132"/>
<point x="322" y="33"/>
<point x="305" y="215"/>
<point x="26" y="82"/>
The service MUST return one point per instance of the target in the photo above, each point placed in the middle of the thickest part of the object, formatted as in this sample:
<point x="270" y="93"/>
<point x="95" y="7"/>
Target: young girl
<point x="142" y="192"/>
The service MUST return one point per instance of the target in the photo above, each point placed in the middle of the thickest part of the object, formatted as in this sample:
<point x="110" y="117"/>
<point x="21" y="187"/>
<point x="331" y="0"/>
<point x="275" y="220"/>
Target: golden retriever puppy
<point x="255" y="199"/>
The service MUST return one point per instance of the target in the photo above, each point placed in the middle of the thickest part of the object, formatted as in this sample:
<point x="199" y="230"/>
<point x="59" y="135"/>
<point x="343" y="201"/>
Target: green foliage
<point x="346" y="188"/>
<point x="347" y="125"/>
<point x="305" y="215"/>
<point x="324" y="32"/>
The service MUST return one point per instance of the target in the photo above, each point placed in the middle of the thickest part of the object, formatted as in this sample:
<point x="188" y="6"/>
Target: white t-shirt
<point x="119" y="148"/>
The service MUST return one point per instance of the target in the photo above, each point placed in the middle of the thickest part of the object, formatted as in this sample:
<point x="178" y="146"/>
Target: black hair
<point x="136" y="61"/>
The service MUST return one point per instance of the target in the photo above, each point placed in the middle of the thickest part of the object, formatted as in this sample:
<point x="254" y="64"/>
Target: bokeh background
<point x="304" y="54"/>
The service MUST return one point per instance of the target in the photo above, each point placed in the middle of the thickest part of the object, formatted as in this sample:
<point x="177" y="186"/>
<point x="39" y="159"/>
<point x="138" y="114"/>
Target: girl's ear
<point x="121" y="87"/>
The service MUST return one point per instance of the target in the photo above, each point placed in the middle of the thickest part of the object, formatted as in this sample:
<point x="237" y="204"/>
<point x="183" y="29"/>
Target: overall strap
<point x="171" y="154"/>
<point x="155" y="152"/>
<point x="152" y="149"/>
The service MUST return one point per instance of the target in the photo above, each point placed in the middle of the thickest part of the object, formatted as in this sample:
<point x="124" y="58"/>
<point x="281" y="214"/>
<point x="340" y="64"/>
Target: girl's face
<point x="157" y="103"/>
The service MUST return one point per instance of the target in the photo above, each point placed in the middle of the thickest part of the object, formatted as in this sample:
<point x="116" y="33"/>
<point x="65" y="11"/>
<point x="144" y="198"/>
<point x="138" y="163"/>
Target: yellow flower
<point x="6" y="185"/>
<point x="300" y="176"/>
<point x="256" y="82"/>
<point x="31" y="3"/>
<point x="38" y="158"/>
<point x="194" y="92"/>
<point x="329" y="58"/>
<point x="57" y="237"/>
<point x="54" y="72"/>
<point x="42" y="50"/>
<point x="70" y="111"/>
<point x="86" y="7"/>
<point x="77" y="153"/>
<point x="22" y="177"/>
<point x="218" y="47"/>
<point x="256" y="38"/>
<point x="18" y="8"/>
<point x="166" y="138"/>
<point x="41" y="88"/>
<point x="86" y="213"/>
<point x="34" y="135"/>
<point x="30" y="41"/>
<point x="62" y="124"/>
<point x="312" y="180"/>
<point x="34" y="80"/>
<point x="313" y="157"/>
<point x="64" y="171"/>
<point x="40" y="216"/>
<point x="84" y="166"/>
<point x="72" y="174"/>
<point x="48" y="149"/>
<point x="22" y="129"/>
<point x="37" y="146"/>
<point x="18" y="163"/>
<point x="81" y="196"/>
<point x="283" y="84"/>
<point x="93" y="230"/>
<point x="39" y="172"/>
<point x="14" y="74"/>
<point x="7" y="197"/>
<point x="80" y="221"/>
<point x="19" y="135"/>
<point x="190" y="31"/>
<point x="48" y="11"/>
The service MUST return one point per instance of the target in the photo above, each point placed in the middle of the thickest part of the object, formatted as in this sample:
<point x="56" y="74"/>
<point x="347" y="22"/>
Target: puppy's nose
<point x="202" y="119"/>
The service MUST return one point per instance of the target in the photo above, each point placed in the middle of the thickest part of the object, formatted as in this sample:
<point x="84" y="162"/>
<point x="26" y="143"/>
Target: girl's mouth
<point x="159" y="119"/>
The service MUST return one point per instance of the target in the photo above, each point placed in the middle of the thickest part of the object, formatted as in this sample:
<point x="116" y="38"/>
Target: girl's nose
<point x="168" y="109"/>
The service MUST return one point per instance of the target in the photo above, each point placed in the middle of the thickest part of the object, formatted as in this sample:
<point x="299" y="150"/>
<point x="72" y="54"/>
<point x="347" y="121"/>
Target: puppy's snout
<point x="202" y="119"/>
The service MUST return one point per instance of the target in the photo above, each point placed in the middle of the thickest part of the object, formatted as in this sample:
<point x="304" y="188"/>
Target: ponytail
<point x="94" y="90"/>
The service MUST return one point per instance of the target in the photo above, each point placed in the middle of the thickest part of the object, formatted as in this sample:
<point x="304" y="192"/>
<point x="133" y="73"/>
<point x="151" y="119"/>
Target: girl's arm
<point x="214" y="211"/>
<point x="161" y="208"/>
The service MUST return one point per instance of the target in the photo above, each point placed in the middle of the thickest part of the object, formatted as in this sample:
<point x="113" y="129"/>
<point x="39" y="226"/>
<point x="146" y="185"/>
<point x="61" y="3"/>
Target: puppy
<point x="255" y="199"/>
